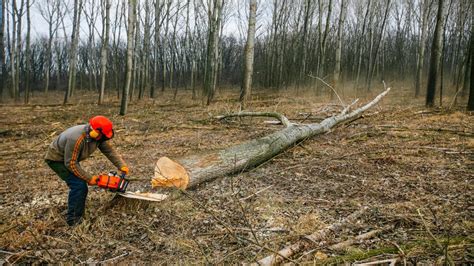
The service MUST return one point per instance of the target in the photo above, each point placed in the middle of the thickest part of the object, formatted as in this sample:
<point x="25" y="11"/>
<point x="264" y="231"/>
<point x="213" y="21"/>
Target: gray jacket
<point x="74" y="145"/>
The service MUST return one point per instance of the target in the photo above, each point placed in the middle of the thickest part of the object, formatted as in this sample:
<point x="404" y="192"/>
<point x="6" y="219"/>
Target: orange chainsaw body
<point x="113" y="182"/>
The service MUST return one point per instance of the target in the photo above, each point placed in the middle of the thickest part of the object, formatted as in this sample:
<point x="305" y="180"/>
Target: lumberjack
<point x="76" y="144"/>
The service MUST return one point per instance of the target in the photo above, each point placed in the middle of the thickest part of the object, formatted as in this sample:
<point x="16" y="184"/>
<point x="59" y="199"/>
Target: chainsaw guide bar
<point x="144" y="196"/>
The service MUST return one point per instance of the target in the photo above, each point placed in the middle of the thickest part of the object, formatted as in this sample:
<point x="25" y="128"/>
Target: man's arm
<point x="72" y="151"/>
<point x="108" y="150"/>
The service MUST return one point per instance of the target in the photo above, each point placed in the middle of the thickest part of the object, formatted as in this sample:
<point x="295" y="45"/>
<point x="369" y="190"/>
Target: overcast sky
<point x="39" y="26"/>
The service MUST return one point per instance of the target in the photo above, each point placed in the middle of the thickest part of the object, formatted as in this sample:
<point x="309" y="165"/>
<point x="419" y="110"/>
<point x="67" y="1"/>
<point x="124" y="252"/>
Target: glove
<point x="124" y="170"/>
<point x="93" y="180"/>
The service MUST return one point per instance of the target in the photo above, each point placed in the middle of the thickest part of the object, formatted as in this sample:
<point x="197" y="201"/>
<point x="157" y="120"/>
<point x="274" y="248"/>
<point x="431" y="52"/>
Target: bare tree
<point x="49" y="10"/>
<point x="470" y="104"/>
<point x="425" y="11"/>
<point x="210" y="77"/>
<point x="19" y="14"/>
<point x="130" y="43"/>
<point x="146" y="50"/>
<point x="371" y="70"/>
<point x="337" y="68"/>
<point x="360" y="44"/>
<point x="104" y="48"/>
<point x="88" y="56"/>
<point x="323" y="38"/>
<point x="435" y="59"/>
<point x="73" y="50"/>
<point x="246" y="88"/>
<point x="158" y="22"/>
<point x="3" y="75"/>
<point x="27" y="52"/>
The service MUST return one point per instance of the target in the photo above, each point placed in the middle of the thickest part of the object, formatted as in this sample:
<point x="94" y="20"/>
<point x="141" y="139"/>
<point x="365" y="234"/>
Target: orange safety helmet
<point x="103" y="125"/>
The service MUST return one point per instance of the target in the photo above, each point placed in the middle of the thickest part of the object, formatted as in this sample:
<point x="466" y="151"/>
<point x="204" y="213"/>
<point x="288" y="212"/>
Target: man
<point x="74" y="145"/>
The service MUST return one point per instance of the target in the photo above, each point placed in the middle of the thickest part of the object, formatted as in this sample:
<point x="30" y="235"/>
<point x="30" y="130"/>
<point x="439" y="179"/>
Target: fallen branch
<point x="391" y="262"/>
<point x="325" y="83"/>
<point x="114" y="258"/>
<point x="314" y="238"/>
<point x="345" y="244"/>
<point x="448" y="258"/>
<point x="256" y="193"/>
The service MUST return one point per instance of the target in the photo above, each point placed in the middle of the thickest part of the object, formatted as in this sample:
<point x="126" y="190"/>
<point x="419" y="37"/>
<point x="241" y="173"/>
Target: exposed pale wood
<point x="144" y="196"/>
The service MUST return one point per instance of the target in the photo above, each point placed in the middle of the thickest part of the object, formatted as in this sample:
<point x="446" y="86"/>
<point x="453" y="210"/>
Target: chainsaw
<point x="113" y="182"/>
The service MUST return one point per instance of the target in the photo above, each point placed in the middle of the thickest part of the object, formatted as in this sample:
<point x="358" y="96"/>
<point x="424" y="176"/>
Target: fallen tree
<point x="190" y="171"/>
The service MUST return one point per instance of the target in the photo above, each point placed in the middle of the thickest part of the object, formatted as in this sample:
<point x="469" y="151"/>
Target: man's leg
<point x="76" y="199"/>
<point x="59" y="168"/>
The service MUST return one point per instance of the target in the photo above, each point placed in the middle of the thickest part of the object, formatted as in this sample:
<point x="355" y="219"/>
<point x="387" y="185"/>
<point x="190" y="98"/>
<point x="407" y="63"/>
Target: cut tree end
<point x="169" y="173"/>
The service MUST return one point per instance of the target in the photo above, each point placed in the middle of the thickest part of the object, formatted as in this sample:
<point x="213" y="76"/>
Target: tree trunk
<point x="146" y="50"/>
<point x="435" y="56"/>
<point x="19" y="15"/>
<point x="426" y="7"/>
<point x="27" y="53"/>
<point x="13" y="57"/>
<point x="248" y="56"/>
<point x="158" y="10"/>
<point x="324" y="41"/>
<point x="73" y="51"/>
<point x="212" y="51"/>
<point x="377" y="45"/>
<point x="104" y="50"/>
<point x="196" y="169"/>
<point x="3" y="75"/>
<point x="470" y="104"/>
<point x="337" y="68"/>
<point x="131" y="27"/>
<point x="360" y="46"/>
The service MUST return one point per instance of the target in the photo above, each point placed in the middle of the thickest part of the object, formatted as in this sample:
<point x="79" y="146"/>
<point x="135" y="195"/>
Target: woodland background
<point x="163" y="70"/>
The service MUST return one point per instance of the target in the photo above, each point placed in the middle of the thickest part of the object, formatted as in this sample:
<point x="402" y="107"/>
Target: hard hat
<point x="103" y="125"/>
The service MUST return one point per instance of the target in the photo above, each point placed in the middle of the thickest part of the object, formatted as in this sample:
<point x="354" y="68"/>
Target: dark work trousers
<point x="76" y="201"/>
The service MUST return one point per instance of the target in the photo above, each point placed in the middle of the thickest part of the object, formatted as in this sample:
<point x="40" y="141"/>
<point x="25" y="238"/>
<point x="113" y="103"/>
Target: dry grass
<point x="399" y="159"/>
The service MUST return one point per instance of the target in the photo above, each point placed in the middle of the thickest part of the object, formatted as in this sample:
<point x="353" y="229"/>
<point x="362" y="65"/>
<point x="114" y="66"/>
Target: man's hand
<point x="124" y="170"/>
<point x="93" y="180"/>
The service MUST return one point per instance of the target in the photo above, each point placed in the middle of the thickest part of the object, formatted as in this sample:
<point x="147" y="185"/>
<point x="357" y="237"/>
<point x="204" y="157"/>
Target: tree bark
<point x="235" y="159"/>
<point x="246" y="88"/>
<point x="104" y="49"/>
<point x="337" y="68"/>
<point x="3" y="75"/>
<point x="158" y="10"/>
<point x="360" y="46"/>
<point x="322" y="47"/>
<point x="212" y="50"/>
<point x="19" y="15"/>
<point x="130" y="43"/>
<point x="435" y="56"/>
<point x="146" y="51"/>
<point x="377" y="45"/>
<point x="426" y="7"/>
<point x="470" y="103"/>
<point x="73" y="51"/>
<point x="27" y="53"/>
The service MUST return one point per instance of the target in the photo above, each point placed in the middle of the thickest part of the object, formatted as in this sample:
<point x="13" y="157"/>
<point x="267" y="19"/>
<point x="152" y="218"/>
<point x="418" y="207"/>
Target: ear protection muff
<point x="94" y="133"/>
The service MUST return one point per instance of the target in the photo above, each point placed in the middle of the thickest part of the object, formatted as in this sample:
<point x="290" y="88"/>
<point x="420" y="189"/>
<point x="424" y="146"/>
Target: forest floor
<point x="412" y="166"/>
